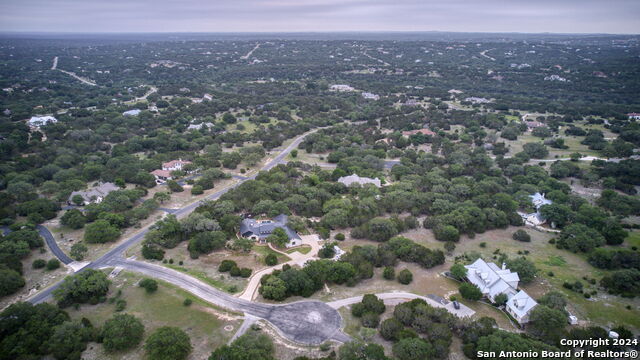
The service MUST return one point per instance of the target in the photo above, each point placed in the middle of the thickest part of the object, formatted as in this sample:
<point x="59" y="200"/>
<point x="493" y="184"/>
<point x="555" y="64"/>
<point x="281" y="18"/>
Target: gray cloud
<point x="575" y="16"/>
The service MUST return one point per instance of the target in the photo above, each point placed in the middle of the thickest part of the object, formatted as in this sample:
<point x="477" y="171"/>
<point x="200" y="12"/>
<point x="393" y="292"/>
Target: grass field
<point x="204" y="322"/>
<point x="303" y="249"/>
<point x="633" y="239"/>
<point x="202" y="276"/>
<point x="265" y="250"/>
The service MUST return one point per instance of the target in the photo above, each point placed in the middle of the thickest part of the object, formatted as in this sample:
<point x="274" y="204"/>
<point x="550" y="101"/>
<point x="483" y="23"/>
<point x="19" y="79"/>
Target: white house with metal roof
<point x="520" y="305"/>
<point x="355" y="179"/>
<point x="38" y="121"/>
<point x="493" y="281"/>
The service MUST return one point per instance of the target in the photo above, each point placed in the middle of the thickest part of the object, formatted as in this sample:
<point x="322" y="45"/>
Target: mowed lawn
<point x="204" y="322"/>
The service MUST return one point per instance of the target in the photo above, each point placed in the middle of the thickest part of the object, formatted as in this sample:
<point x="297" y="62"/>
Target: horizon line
<point x="307" y="32"/>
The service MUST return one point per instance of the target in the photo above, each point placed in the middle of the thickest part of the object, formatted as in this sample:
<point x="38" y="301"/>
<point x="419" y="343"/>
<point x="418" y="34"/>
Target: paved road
<point x="53" y="245"/>
<point x="307" y="322"/>
<point x="51" y="242"/>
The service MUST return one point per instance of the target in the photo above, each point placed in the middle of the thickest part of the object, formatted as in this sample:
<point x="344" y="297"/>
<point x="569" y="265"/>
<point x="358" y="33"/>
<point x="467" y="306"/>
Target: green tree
<point x="526" y="269"/>
<point x="10" y="281"/>
<point x="87" y="286"/>
<point x="168" y="343"/>
<point x="278" y="237"/>
<point x="162" y="196"/>
<point x="149" y="285"/>
<point x="361" y="351"/>
<point x="122" y="332"/>
<point x="53" y="264"/>
<point x="389" y="273"/>
<point x="271" y="259"/>
<point x="250" y="346"/>
<point x="197" y="190"/>
<point x="470" y="291"/>
<point x="521" y="235"/>
<point x="274" y="288"/>
<point x="69" y="340"/>
<point x="501" y="299"/>
<point x="174" y="186"/>
<point x="100" y="231"/>
<point x="458" y="271"/>
<point x="26" y="329"/>
<point x="390" y="329"/>
<point x="446" y="233"/>
<point x="78" y="251"/>
<point x="580" y="238"/>
<point x="229" y="118"/>
<point x="554" y="300"/>
<point x="77" y="199"/>
<point x="405" y="277"/>
<point x="413" y="349"/>
<point x="535" y="150"/>
<point x="546" y="323"/>
<point x="74" y="219"/>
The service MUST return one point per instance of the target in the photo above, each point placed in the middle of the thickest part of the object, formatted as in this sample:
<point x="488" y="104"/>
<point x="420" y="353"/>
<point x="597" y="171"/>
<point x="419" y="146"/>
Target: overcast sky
<point x="566" y="16"/>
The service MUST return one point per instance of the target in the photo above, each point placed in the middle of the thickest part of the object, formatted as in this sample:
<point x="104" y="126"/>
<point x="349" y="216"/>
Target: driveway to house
<point x="53" y="245"/>
<point x="50" y="241"/>
<point x="394" y="298"/>
<point x="297" y="258"/>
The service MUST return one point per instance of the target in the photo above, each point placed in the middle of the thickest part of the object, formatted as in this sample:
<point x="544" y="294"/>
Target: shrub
<point x="121" y="332"/>
<point x="227" y="265"/>
<point x="197" y="190"/>
<point x="389" y="273"/>
<point x="405" y="277"/>
<point x="370" y="320"/>
<point x="168" y="343"/>
<point x="187" y="302"/>
<point x="340" y="237"/>
<point x="53" y="264"/>
<point x="470" y="291"/>
<point x="245" y="272"/>
<point x="235" y="271"/>
<point x="358" y="309"/>
<point x="149" y="285"/>
<point x="38" y="264"/>
<point x="271" y="260"/>
<point x="174" y="186"/>
<point x="521" y="235"/>
<point x="120" y="305"/>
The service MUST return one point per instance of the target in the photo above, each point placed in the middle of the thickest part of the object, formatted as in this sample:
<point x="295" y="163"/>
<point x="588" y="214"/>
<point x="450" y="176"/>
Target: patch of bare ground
<point x="35" y="279"/>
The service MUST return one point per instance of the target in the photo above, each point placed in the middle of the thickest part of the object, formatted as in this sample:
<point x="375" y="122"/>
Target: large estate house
<point x="164" y="174"/>
<point x="355" y="179"/>
<point x="38" y="121"/>
<point x="93" y="195"/>
<point x="259" y="230"/>
<point x="493" y="281"/>
<point x="535" y="218"/>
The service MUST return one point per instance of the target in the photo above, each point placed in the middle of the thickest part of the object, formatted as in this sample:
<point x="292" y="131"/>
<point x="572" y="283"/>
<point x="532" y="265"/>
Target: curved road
<point x="51" y="242"/>
<point x="307" y="322"/>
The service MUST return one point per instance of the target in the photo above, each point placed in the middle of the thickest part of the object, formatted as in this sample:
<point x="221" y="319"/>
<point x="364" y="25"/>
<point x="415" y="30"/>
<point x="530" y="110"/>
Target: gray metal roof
<point x="264" y="228"/>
